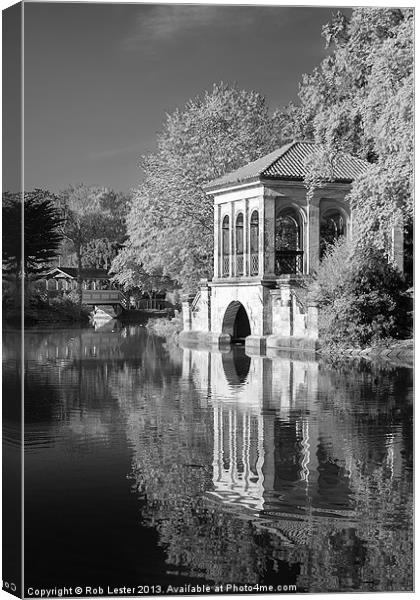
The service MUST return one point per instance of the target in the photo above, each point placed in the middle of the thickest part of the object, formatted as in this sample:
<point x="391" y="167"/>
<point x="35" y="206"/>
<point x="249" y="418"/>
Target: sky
<point x="99" y="78"/>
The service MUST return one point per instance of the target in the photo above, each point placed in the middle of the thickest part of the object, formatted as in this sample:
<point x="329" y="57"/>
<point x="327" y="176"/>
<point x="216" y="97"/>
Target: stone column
<point x="312" y="235"/>
<point x="205" y="305"/>
<point x="267" y="236"/>
<point x="282" y="318"/>
<point x="247" y="257"/>
<point x="217" y="246"/>
<point x="232" y="240"/>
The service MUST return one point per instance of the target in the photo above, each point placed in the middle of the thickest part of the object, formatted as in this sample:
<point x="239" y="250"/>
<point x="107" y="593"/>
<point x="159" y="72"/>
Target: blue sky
<point x="99" y="78"/>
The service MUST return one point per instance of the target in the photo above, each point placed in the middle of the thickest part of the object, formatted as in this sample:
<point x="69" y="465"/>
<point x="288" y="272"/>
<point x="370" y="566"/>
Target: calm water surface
<point x="151" y="465"/>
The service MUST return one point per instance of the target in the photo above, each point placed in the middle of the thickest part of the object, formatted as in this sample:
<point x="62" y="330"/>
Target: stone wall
<point x="294" y="316"/>
<point x="278" y="317"/>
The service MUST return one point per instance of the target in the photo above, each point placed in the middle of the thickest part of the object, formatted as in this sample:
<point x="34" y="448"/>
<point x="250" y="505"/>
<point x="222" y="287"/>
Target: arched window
<point x="254" y="242"/>
<point x="289" y="256"/>
<point x="239" y="244"/>
<point x="332" y="227"/>
<point x="225" y="247"/>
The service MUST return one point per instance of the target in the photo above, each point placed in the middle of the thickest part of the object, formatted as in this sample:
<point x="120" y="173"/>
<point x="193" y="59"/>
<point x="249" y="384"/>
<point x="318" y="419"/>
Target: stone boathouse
<point x="269" y="234"/>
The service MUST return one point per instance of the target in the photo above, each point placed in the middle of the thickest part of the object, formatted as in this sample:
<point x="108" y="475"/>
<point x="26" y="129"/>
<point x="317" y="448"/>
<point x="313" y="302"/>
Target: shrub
<point x="73" y="296"/>
<point x="361" y="296"/>
<point x="68" y="308"/>
<point x="167" y="328"/>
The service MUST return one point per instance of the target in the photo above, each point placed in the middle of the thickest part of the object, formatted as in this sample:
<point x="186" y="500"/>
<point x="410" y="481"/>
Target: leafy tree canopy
<point x="360" y="100"/>
<point x="99" y="253"/>
<point x="91" y="213"/>
<point x="170" y="224"/>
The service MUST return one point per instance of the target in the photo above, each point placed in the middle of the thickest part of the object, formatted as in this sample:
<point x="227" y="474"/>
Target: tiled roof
<point x="288" y="162"/>
<point x="85" y="273"/>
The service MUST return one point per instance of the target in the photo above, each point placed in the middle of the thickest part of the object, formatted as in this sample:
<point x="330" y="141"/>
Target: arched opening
<point x="236" y="322"/>
<point x="254" y="242"/>
<point x="289" y="254"/>
<point x="225" y="247"/>
<point x="239" y="244"/>
<point x="332" y="227"/>
<point x="236" y="365"/>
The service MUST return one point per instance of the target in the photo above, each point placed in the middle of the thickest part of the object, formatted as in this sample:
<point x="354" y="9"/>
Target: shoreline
<point x="393" y="352"/>
<point x="400" y="352"/>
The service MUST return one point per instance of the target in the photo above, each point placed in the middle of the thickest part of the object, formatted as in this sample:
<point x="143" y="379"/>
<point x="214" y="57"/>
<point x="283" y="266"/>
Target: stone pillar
<point x="397" y="247"/>
<point x="186" y="315"/>
<point x="205" y="305"/>
<point x="232" y="240"/>
<point x="281" y="303"/>
<point x="312" y="235"/>
<point x="267" y="236"/>
<point x="247" y="256"/>
<point x="217" y="242"/>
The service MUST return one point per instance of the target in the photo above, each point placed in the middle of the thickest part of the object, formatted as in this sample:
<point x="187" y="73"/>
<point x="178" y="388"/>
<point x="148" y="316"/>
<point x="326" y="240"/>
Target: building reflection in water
<point x="281" y="449"/>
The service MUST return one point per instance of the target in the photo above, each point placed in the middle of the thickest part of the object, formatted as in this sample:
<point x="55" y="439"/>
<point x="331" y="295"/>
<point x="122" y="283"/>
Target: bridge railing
<point x="104" y="297"/>
<point x="153" y="304"/>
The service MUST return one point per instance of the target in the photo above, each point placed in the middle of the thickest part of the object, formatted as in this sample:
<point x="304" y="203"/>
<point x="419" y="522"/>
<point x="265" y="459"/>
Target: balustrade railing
<point x="254" y="264"/>
<point x="239" y="265"/>
<point x="289" y="262"/>
<point x="225" y="265"/>
<point x="194" y="303"/>
<point x="104" y="297"/>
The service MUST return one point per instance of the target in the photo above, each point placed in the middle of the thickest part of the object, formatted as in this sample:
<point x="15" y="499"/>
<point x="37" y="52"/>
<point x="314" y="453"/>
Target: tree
<point x="90" y="213"/>
<point x="360" y="100"/>
<point x="99" y="253"/>
<point x="133" y="278"/>
<point x="41" y="231"/>
<point x="170" y="223"/>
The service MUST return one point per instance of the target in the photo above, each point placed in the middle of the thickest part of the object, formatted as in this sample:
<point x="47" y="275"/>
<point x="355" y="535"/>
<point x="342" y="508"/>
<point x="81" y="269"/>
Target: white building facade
<point x="269" y="235"/>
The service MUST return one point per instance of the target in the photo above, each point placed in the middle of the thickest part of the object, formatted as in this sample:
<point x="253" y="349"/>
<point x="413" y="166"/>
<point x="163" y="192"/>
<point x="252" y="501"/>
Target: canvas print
<point x="207" y="299"/>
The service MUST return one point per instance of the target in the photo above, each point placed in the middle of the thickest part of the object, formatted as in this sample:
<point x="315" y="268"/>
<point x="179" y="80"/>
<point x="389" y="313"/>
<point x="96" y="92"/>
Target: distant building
<point x="65" y="279"/>
<point x="268" y="235"/>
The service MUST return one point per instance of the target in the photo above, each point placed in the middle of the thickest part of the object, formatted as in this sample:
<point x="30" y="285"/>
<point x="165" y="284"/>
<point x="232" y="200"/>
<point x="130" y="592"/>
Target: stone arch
<point x="333" y="224"/>
<point x="290" y="240"/>
<point x="236" y="322"/>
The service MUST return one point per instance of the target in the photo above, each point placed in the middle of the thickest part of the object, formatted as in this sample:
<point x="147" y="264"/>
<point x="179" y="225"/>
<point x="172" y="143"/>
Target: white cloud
<point x="156" y="25"/>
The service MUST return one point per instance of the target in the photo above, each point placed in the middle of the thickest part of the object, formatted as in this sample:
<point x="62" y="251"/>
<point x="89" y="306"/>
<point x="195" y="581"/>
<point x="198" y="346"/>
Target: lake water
<point x="155" y="466"/>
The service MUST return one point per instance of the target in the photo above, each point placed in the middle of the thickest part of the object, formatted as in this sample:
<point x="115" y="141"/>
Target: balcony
<point x="289" y="262"/>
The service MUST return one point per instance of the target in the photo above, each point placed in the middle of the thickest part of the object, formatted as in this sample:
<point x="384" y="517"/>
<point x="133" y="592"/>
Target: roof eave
<point x="211" y="189"/>
<point x="270" y="178"/>
<point x="59" y="270"/>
